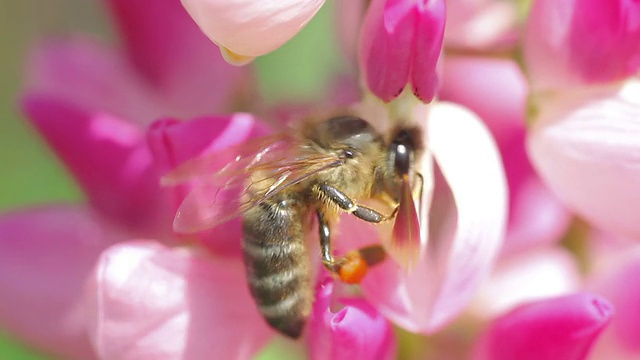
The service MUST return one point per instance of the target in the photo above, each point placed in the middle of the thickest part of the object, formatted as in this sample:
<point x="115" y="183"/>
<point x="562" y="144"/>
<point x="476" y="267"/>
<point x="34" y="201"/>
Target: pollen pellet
<point x="354" y="268"/>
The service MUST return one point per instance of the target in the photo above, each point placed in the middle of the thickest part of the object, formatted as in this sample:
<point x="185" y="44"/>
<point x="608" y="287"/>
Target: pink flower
<point x="401" y="43"/>
<point x="584" y="142"/>
<point x="559" y="328"/>
<point x="90" y="104"/>
<point x="240" y="27"/>
<point x="497" y="91"/>
<point x="571" y="43"/>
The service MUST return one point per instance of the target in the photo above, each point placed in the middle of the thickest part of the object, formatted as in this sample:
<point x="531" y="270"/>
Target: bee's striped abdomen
<point x="277" y="264"/>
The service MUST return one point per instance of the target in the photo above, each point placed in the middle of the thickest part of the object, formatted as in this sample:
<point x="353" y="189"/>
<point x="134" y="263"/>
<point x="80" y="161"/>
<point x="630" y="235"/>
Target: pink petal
<point x="147" y="301"/>
<point x="85" y="74"/>
<point x="108" y="157"/>
<point x="174" y="142"/>
<point x="241" y="25"/>
<point x="497" y="90"/>
<point x="471" y="165"/>
<point x="356" y="331"/>
<point x="45" y="257"/>
<point x="587" y="149"/>
<point x="528" y="276"/>
<point x="429" y="34"/>
<point x="481" y="24"/>
<point x="576" y="42"/>
<point x="175" y="58"/>
<point x="443" y="283"/>
<point x="401" y="41"/>
<point x="619" y="284"/>
<point x="559" y="328"/>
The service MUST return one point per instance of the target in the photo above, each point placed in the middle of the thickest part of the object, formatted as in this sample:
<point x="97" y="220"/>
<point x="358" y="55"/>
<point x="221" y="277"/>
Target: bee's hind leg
<point x="353" y="266"/>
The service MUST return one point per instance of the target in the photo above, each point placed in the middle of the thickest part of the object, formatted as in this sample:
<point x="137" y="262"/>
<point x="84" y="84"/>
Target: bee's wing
<point x="404" y="245"/>
<point x="231" y="161"/>
<point x="246" y="182"/>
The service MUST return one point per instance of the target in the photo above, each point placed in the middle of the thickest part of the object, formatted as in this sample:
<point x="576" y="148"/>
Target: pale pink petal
<point x="497" y="91"/>
<point x="251" y="28"/>
<point x="356" y="331"/>
<point x="481" y="24"/>
<point x="525" y="277"/>
<point x="443" y="283"/>
<point x="174" y="142"/>
<point x="109" y="158"/>
<point x="350" y="15"/>
<point x="401" y="41"/>
<point x="46" y="255"/>
<point x="147" y="301"/>
<point x="172" y="56"/>
<point x="558" y="328"/>
<point x="574" y="42"/>
<point x="470" y="163"/>
<point x="587" y="149"/>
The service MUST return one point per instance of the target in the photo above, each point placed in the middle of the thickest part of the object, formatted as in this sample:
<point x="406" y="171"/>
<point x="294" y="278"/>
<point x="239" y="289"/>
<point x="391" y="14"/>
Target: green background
<point x="31" y="174"/>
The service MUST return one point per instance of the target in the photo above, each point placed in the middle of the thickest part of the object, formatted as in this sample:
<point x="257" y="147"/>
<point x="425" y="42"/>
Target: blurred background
<point x="30" y="172"/>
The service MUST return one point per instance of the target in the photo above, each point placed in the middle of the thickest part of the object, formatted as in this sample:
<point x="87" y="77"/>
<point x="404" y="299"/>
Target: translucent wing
<point x="232" y="182"/>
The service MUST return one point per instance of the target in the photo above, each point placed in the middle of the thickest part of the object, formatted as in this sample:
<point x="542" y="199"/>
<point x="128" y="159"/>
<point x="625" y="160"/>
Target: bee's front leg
<point x="345" y="203"/>
<point x="353" y="266"/>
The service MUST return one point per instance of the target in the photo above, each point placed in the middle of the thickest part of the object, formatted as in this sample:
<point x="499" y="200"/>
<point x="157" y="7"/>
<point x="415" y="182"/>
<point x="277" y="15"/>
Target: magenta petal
<point x="46" y="256"/>
<point x="175" y="57"/>
<point x="174" y="142"/>
<point x="147" y="301"/>
<point x="84" y="73"/>
<point x="559" y="328"/>
<point x="108" y="157"/>
<point x="402" y="41"/>
<point x="575" y="42"/>
<point x="355" y="332"/>
<point x="385" y="47"/>
<point x="428" y="37"/>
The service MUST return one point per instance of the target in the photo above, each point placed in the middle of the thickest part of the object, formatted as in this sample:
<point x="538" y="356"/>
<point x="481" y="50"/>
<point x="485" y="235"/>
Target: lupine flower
<point x="585" y="143"/>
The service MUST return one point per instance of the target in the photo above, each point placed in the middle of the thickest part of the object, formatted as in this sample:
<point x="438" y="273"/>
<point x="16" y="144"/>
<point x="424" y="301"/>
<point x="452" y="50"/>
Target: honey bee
<point x="280" y="183"/>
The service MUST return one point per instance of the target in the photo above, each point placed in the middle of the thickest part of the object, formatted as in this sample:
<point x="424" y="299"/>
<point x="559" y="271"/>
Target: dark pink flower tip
<point x="356" y="331"/>
<point x="174" y="142"/>
<point x="109" y="158"/>
<point x="620" y="285"/>
<point x="171" y="52"/>
<point x="147" y="301"/>
<point x="401" y="42"/>
<point x="46" y="256"/>
<point x="559" y="328"/>
<point x="576" y="42"/>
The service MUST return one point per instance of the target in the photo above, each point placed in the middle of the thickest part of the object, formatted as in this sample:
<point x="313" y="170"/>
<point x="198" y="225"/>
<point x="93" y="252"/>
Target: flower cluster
<point x="528" y="215"/>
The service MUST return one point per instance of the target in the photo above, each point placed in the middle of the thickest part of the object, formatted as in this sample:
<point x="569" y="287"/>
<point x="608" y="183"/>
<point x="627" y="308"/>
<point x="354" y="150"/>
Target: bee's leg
<point x="351" y="267"/>
<point x="345" y="203"/>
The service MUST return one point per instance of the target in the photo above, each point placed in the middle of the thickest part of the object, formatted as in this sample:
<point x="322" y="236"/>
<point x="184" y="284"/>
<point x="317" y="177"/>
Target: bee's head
<point x="350" y="134"/>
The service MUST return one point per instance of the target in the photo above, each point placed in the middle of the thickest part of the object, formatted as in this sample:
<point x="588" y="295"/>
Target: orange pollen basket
<point x="353" y="269"/>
